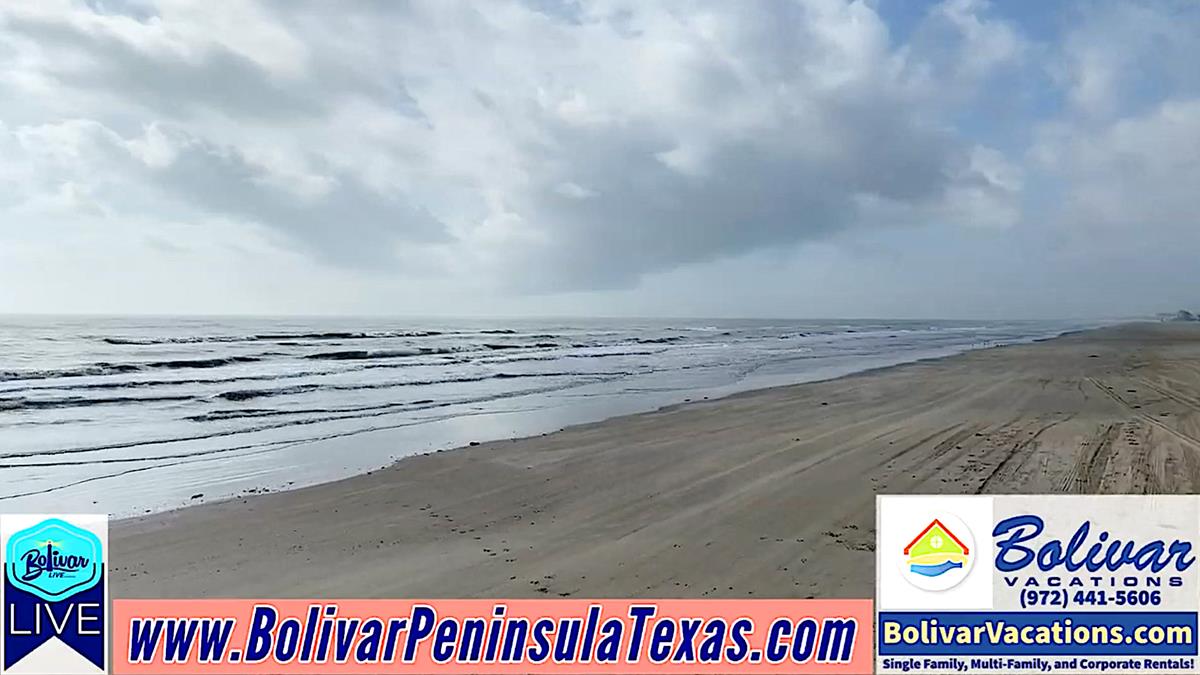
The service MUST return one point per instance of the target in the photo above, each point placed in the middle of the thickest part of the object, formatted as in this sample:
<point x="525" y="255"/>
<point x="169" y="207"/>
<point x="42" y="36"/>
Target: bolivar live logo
<point x="55" y="593"/>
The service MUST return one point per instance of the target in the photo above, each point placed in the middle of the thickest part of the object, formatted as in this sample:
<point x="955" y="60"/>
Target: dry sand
<point x="769" y="493"/>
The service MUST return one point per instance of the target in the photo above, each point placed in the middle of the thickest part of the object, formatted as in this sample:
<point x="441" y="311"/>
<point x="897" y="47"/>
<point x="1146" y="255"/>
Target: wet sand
<point x="768" y="493"/>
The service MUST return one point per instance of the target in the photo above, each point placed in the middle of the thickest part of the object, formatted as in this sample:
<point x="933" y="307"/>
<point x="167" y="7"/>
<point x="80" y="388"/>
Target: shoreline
<point x="536" y="429"/>
<point x="610" y="494"/>
<point x="343" y="421"/>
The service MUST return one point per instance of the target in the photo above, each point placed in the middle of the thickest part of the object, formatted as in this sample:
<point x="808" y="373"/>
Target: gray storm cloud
<point x="545" y="146"/>
<point x="635" y="138"/>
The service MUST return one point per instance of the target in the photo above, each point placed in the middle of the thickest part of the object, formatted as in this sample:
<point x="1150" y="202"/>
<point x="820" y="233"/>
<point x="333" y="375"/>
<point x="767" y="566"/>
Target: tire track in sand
<point x="1151" y="482"/>
<point x="1086" y="475"/>
<point x="1186" y="438"/>
<point x="1017" y="455"/>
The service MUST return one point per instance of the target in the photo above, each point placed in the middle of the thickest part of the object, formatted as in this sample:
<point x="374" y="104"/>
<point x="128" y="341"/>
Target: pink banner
<point x="492" y="636"/>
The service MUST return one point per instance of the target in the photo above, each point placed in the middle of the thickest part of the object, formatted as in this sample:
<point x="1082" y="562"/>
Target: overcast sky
<point x="818" y="158"/>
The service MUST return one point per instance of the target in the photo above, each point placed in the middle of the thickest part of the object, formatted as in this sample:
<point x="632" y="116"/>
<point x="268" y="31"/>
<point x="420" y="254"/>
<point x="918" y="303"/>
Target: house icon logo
<point x="940" y="556"/>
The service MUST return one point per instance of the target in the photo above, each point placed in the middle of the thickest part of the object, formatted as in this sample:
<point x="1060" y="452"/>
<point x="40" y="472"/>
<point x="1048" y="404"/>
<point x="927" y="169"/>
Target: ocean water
<point x="133" y="415"/>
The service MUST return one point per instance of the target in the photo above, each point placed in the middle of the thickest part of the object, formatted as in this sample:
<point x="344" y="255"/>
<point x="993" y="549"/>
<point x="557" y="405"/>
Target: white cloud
<point x="1120" y="56"/>
<point x="1131" y="182"/>
<point x="991" y="43"/>
<point x="574" y="190"/>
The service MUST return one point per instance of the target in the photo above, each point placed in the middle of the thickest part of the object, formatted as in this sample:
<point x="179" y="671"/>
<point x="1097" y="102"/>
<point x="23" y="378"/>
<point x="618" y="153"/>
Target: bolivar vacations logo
<point x="939" y="557"/>
<point x="1037" y="584"/>
<point x="55" y="593"/>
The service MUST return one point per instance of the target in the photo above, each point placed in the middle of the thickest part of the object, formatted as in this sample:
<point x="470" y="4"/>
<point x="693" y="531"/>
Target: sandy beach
<point x="768" y="493"/>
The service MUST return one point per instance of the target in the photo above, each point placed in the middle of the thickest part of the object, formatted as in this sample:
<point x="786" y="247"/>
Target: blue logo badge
<point x="54" y="560"/>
